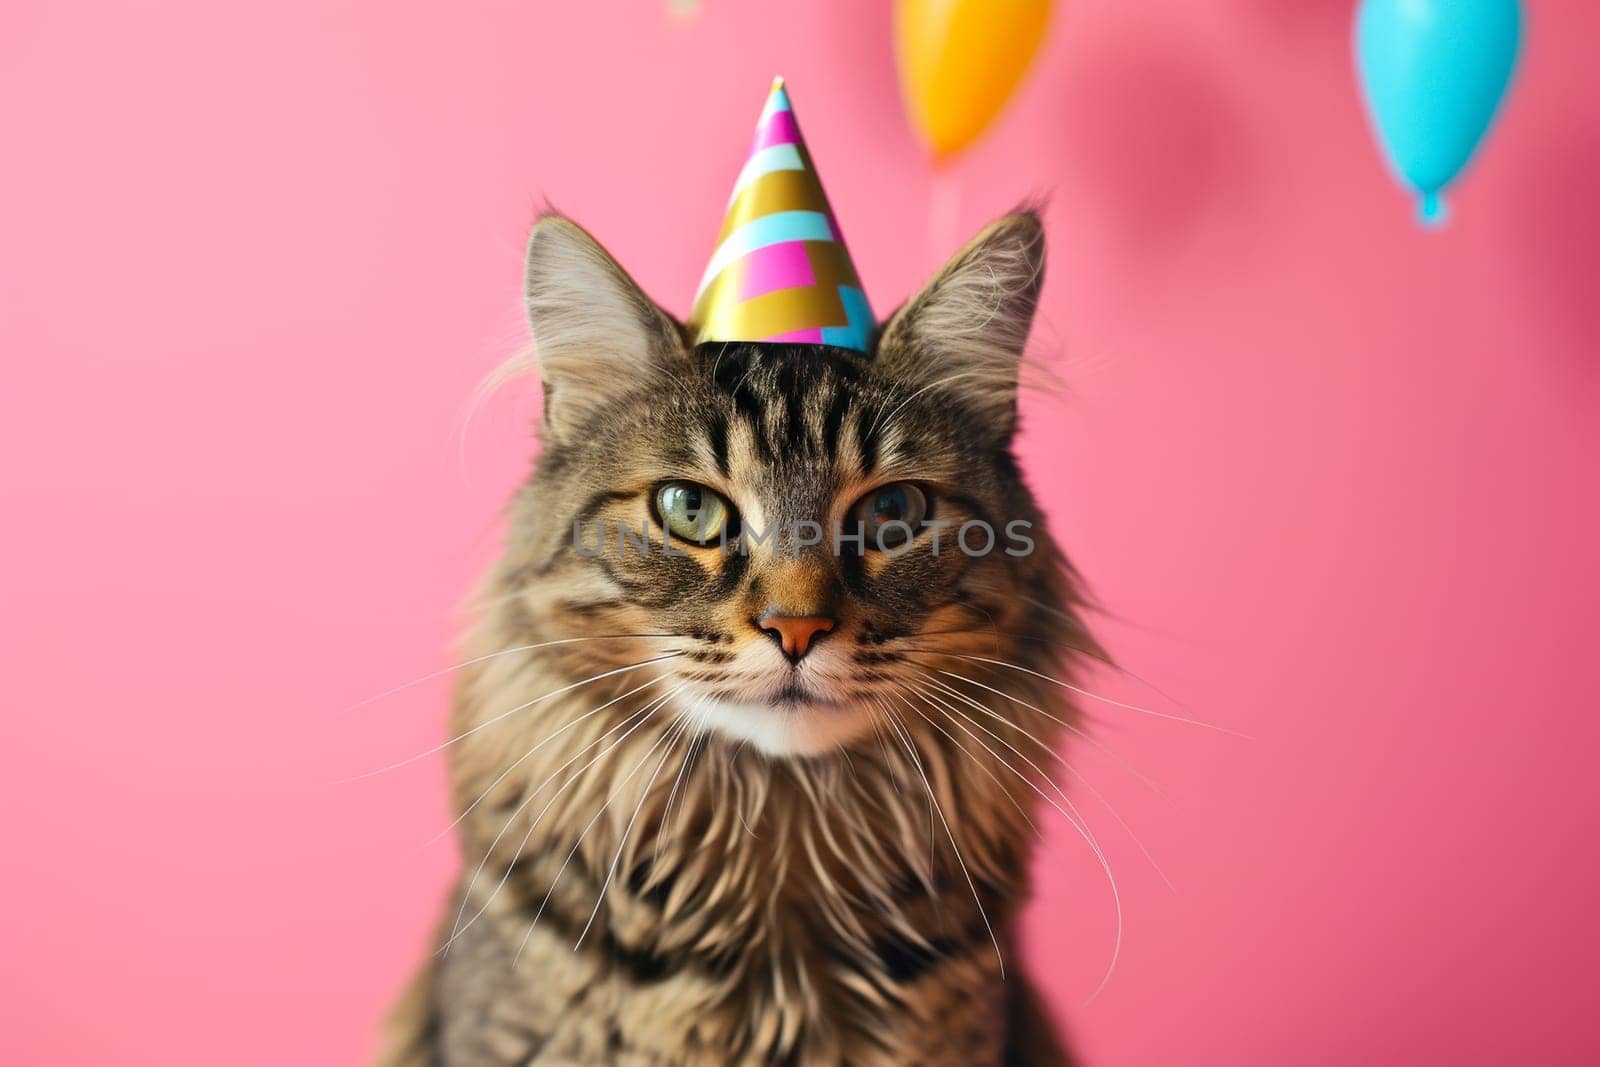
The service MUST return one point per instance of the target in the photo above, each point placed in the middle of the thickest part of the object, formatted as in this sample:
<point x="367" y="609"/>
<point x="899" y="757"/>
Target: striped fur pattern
<point x="665" y="863"/>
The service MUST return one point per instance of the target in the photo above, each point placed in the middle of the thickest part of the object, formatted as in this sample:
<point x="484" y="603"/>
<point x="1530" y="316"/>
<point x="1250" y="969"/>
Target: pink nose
<point x="796" y="633"/>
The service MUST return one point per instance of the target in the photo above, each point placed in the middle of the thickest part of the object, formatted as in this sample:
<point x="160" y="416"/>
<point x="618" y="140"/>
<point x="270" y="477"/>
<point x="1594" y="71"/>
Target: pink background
<point x="1333" y="475"/>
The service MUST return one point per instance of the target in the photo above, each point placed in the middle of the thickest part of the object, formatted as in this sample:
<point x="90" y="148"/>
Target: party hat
<point x="780" y="271"/>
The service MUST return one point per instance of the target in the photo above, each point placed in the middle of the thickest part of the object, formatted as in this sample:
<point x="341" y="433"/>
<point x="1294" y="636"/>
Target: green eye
<point x="694" y="513"/>
<point x="882" y="512"/>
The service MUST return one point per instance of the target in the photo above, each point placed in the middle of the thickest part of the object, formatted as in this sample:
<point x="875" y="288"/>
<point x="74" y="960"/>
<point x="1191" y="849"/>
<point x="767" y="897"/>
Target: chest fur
<point x="644" y="903"/>
<point x="514" y="991"/>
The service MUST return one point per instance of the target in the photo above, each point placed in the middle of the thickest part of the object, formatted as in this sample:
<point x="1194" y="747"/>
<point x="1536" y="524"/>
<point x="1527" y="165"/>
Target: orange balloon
<point x="960" y="61"/>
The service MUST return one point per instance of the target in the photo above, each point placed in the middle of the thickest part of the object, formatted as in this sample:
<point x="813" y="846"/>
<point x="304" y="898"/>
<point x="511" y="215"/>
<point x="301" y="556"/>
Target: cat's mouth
<point x="792" y="695"/>
<point x="787" y="713"/>
<point x="782" y="708"/>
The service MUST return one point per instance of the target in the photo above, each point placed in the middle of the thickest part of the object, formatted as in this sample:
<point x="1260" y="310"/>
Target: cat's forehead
<point x="797" y="410"/>
<point x="790" y="421"/>
<point x="762" y="371"/>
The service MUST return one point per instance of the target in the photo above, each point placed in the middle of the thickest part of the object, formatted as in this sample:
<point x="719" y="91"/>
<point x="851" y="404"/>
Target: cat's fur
<point x="715" y="883"/>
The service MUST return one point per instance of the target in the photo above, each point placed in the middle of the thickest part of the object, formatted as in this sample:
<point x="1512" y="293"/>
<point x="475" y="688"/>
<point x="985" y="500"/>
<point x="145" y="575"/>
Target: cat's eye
<point x="695" y="514"/>
<point x="889" y="515"/>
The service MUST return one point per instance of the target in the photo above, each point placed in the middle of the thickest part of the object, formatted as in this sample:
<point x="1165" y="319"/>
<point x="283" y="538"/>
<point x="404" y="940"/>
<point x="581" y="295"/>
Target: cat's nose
<point x="795" y="633"/>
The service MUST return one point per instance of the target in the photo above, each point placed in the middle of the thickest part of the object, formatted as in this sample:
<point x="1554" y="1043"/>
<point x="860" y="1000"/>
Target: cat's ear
<point x="595" y="332"/>
<point x="965" y="332"/>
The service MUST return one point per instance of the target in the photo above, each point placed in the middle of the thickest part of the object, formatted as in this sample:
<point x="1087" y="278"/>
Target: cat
<point x="732" y="794"/>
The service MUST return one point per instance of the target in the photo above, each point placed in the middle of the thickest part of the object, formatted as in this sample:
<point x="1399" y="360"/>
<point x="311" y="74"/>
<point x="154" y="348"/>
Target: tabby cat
<point x="729" y="793"/>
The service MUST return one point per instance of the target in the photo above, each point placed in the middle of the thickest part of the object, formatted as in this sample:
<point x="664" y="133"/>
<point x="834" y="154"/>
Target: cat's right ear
<point x="595" y="332"/>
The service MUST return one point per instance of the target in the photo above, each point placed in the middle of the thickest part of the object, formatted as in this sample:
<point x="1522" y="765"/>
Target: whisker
<point x="950" y="834"/>
<point x="1084" y="692"/>
<point x="892" y="764"/>
<point x="637" y="719"/>
<point x="694" y="752"/>
<point x="622" y="841"/>
<point x="935" y="695"/>
<point x="464" y="664"/>
<point x="665" y="734"/>
<point x="1087" y="738"/>
<point x="507" y="714"/>
<point x="963" y="750"/>
<point x="1096" y="654"/>
<point x="848" y="762"/>
<point x="1077" y="822"/>
<point x="683" y="768"/>
<point x="1059" y="759"/>
<point x="520" y="759"/>
<point x="459" y="927"/>
<point x="891" y="720"/>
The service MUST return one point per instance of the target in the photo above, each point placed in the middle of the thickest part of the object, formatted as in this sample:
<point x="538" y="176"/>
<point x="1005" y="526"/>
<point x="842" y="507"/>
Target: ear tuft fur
<point x="966" y="331"/>
<point x="595" y="332"/>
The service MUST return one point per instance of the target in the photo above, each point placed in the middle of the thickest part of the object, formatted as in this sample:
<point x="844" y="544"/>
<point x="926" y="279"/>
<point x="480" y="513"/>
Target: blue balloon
<point x="1434" y="72"/>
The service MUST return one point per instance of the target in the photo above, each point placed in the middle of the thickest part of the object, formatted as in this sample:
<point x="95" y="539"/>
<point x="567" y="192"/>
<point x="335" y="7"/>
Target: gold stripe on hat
<point x="779" y="190"/>
<point x="779" y="312"/>
<point x="830" y="264"/>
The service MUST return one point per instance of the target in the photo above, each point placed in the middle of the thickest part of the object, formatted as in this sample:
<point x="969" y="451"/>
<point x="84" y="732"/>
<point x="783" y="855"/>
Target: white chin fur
<point x="779" y="731"/>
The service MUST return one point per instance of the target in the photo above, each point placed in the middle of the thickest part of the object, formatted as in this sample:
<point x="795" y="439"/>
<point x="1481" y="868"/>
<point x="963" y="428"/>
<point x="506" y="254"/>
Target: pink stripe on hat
<point x="781" y="266"/>
<point x="780" y="128"/>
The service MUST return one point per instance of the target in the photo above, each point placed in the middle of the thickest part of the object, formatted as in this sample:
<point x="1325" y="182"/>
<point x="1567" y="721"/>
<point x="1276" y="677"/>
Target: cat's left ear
<point x="965" y="332"/>
<point x="595" y="332"/>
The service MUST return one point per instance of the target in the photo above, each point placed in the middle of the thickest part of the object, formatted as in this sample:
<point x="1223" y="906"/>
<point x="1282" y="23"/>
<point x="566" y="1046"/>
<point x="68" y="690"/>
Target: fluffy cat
<point x="757" y="802"/>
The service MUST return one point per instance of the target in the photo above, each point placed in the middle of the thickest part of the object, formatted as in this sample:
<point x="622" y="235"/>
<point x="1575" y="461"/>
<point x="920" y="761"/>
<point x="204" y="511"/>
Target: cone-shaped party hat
<point x="780" y="271"/>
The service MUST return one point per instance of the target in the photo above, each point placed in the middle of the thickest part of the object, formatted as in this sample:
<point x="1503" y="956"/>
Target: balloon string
<point x="944" y="215"/>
